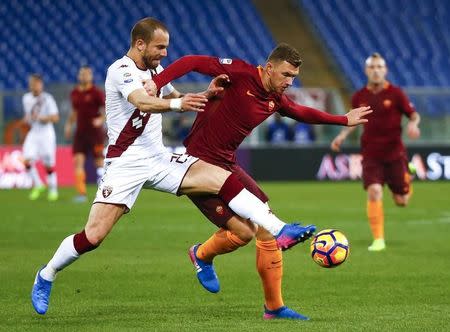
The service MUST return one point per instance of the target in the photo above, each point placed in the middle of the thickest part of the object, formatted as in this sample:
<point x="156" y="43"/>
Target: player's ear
<point x="140" y="45"/>
<point x="269" y="68"/>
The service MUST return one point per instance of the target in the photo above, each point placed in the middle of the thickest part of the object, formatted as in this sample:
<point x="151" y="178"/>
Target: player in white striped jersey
<point x="136" y="159"/>
<point x="41" y="113"/>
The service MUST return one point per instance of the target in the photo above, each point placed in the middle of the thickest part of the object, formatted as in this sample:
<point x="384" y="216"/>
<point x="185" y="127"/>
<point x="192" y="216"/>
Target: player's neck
<point x="265" y="80"/>
<point x="134" y="55"/>
<point x="84" y="86"/>
<point x="376" y="87"/>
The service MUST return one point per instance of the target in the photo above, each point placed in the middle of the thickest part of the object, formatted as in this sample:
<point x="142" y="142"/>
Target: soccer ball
<point x="329" y="248"/>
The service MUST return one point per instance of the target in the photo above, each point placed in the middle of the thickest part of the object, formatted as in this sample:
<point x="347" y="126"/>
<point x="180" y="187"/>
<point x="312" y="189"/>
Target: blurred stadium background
<point x="55" y="38"/>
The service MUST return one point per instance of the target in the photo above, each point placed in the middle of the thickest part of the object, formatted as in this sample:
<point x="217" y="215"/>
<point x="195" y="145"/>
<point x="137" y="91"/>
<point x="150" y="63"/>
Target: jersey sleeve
<point x="51" y="104"/>
<point x="125" y="80"/>
<point x="406" y="107"/>
<point x="203" y="64"/>
<point x="308" y="114"/>
<point x="26" y="109"/>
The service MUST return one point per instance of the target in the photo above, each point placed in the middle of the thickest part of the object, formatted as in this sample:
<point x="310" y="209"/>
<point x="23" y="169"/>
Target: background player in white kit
<point x="136" y="159"/>
<point x="41" y="113"/>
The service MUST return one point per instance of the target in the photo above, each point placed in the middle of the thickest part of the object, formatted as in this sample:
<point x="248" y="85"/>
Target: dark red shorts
<point x="89" y="143"/>
<point x="394" y="173"/>
<point x="216" y="210"/>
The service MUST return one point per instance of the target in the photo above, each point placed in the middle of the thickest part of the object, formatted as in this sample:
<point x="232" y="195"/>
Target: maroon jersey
<point x="381" y="138"/>
<point x="87" y="105"/>
<point x="228" y="119"/>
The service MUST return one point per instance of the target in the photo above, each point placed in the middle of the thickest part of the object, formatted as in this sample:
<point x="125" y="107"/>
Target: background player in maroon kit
<point x="88" y="104"/>
<point x="384" y="155"/>
<point x="252" y="95"/>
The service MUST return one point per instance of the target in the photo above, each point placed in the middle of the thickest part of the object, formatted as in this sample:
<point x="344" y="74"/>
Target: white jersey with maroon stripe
<point x="42" y="105"/>
<point x="131" y="133"/>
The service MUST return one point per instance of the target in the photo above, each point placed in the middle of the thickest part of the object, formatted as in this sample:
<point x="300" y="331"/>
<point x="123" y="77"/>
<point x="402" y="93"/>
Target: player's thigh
<point x="203" y="177"/>
<point x="249" y="183"/>
<point x="122" y="181"/>
<point x="102" y="219"/>
<point x="398" y="177"/>
<point x="372" y="172"/>
<point x="47" y="153"/>
<point x="213" y="208"/>
<point x="167" y="171"/>
<point x="216" y="211"/>
<point x="30" y="147"/>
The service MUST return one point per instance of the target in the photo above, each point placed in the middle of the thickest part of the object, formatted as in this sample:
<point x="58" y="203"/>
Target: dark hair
<point x="285" y="52"/>
<point x="36" y="76"/>
<point x="145" y="28"/>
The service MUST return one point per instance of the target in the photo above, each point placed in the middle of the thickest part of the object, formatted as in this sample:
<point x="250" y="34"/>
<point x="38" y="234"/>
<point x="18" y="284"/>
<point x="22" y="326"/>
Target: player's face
<point x="281" y="75"/>
<point x="156" y="49"/>
<point x="376" y="70"/>
<point x="36" y="86"/>
<point x="85" y="76"/>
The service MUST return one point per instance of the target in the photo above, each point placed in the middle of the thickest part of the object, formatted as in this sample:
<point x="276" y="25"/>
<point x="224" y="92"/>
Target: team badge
<point x="271" y="105"/>
<point x="219" y="210"/>
<point x="106" y="191"/>
<point x="387" y="102"/>
<point x="225" y="61"/>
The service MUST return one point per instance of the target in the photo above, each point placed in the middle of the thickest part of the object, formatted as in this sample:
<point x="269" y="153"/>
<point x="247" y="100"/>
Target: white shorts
<point x="40" y="147"/>
<point x="123" y="179"/>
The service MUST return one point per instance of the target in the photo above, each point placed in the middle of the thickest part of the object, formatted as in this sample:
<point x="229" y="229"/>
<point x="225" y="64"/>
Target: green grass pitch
<point x="141" y="277"/>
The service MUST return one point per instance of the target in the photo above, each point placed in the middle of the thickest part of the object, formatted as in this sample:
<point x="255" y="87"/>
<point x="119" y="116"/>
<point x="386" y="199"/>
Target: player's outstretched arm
<point x="358" y="115"/>
<point x="191" y="102"/>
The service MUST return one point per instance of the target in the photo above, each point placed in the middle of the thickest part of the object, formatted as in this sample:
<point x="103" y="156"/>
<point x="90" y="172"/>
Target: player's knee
<point x="375" y="192"/>
<point x="94" y="236"/>
<point x="246" y="235"/>
<point x="49" y="169"/>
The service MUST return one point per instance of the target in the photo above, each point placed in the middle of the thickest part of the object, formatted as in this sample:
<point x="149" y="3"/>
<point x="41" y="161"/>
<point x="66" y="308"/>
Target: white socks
<point x="52" y="181"/>
<point x="64" y="256"/>
<point x="37" y="182"/>
<point x="248" y="206"/>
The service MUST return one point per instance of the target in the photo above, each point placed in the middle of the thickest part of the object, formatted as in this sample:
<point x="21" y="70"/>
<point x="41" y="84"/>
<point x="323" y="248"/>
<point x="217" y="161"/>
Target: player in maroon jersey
<point x="88" y="104"/>
<point x="252" y="95"/>
<point x="384" y="155"/>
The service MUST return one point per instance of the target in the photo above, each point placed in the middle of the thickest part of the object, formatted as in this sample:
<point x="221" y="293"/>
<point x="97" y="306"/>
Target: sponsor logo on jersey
<point x="387" y="102"/>
<point x="219" y="210"/>
<point x="250" y="94"/>
<point x="128" y="80"/>
<point x="106" y="191"/>
<point x="127" y="75"/>
<point x="123" y="66"/>
<point x="271" y="105"/>
<point x="225" y="61"/>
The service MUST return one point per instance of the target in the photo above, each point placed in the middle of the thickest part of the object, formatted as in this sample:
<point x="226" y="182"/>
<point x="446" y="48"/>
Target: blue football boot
<point x="283" y="313"/>
<point x="205" y="271"/>
<point x="40" y="294"/>
<point x="291" y="234"/>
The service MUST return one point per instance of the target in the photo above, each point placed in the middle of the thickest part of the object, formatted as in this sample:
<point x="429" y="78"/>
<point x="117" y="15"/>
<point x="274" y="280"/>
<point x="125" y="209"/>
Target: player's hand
<point x="97" y="122"/>
<point x="217" y="85"/>
<point x="193" y="102"/>
<point x="356" y="116"/>
<point x="413" y="131"/>
<point x="67" y="132"/>
<point x="337" y="142"/>
<point x="150" y="87"/>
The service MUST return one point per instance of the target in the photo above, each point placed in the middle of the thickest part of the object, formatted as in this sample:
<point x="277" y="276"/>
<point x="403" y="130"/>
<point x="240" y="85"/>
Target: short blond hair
<point x="375" y="55"/>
